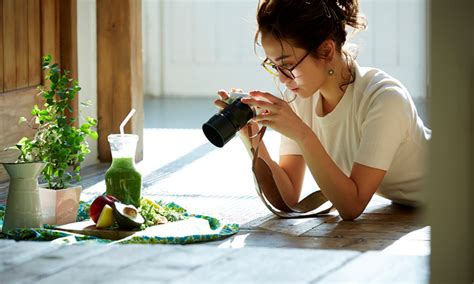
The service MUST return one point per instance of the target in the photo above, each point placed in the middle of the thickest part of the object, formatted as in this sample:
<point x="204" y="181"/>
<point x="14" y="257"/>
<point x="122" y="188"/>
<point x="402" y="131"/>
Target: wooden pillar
<point x="50" y="41"/>
<point x="451" y="184"/>
<point x="68" y="43"/>
<point x="119" y="70"/>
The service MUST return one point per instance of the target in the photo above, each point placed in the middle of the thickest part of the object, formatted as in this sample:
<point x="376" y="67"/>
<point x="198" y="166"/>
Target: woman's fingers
<point x="223" y="94"/>
<point x="267" y="96"/>
<point x="263" y="116"/>
<point x="220" y="103"/>
<point x="263" y="100"/>
<point x="259" y="103"/>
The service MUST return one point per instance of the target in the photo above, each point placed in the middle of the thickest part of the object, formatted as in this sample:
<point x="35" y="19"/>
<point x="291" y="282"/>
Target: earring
<point x="331" y="72"/>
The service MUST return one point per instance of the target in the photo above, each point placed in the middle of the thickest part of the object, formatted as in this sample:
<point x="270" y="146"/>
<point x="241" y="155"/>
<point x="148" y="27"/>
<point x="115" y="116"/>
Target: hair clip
<point x="330" y="13"/>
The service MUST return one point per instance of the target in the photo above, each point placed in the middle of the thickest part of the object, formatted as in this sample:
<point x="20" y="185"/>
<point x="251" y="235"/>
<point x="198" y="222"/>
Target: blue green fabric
<point x="48" y="233"/>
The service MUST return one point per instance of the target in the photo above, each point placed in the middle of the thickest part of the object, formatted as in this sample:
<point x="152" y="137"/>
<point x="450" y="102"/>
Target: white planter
<point x="23" y="204"/>
<point x="59" y="206"/>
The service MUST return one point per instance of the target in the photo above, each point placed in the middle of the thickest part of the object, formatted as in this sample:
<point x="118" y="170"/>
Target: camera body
<point x="223" y="126"/>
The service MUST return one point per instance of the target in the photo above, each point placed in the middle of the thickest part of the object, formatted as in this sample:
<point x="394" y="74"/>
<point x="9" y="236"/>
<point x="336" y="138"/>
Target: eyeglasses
<point x="275" y="70"/>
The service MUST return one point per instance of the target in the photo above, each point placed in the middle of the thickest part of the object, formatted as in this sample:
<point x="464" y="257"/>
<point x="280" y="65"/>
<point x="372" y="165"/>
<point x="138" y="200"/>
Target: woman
<point x="356" y="129"/>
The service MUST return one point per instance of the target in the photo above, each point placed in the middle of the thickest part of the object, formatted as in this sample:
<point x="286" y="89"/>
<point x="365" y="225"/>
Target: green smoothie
<point x="123" y="181"/>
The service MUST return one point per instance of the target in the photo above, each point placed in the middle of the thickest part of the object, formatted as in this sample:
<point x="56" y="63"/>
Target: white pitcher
<point x="23" y="203"/>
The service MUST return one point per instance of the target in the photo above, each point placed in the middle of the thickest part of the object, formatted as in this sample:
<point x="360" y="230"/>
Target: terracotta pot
<point x="59" y="206"/>
<point x="23" y="205"/>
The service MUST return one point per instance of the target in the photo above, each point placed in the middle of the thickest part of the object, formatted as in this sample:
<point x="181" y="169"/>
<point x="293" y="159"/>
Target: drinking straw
<point x="127" y="118"/>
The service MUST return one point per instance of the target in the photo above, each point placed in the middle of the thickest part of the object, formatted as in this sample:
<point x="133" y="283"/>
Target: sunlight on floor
<point x="236" y="242"/>
<point x="181" y="166"/>
<point x="406" y="246"/>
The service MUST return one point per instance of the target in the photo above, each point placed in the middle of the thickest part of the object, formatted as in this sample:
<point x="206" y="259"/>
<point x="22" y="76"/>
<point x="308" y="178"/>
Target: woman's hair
<point x="307" y="23"/>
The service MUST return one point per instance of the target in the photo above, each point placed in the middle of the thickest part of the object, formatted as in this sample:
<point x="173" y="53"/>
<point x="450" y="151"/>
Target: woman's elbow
<point x="350" y="214"/>
<point x="352" y="210"/>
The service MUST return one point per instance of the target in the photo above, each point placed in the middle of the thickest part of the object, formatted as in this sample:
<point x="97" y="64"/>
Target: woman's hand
<point x="220" y="102"/>
<point x="276" y="114"/>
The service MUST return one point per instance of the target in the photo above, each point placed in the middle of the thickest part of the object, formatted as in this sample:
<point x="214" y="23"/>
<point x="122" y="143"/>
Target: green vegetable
<point x="159" y="213"/>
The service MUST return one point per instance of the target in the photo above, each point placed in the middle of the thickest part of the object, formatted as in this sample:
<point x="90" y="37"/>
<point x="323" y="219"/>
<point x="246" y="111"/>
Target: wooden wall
<point x="30" y="29"/>
<point x="19" y="40"/>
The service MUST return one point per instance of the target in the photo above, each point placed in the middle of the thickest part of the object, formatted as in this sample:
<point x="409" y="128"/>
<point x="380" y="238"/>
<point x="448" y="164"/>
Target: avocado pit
<point x="127" y="216"/>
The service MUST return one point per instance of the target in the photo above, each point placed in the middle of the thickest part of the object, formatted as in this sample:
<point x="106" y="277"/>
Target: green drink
<point x="122" y="179"/>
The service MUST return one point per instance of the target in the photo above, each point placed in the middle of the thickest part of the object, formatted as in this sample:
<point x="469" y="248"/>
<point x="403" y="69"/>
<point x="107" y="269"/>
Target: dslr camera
<point x="222" y="126"/>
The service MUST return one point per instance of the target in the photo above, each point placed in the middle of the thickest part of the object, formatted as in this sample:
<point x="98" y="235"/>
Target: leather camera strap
<point x="312" y="205"/>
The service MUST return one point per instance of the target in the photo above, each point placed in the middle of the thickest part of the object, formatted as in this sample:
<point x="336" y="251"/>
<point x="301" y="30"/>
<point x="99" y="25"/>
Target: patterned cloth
<point x="171" y="233"/>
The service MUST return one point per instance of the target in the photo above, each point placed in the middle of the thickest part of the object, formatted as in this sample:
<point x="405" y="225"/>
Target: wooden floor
<point x="28" y="262"/>
<point x="385" y="227"/>
<point x="387" y="243"/>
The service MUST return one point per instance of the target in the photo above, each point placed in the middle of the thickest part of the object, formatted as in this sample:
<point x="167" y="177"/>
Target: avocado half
<point x="127" y="216"/>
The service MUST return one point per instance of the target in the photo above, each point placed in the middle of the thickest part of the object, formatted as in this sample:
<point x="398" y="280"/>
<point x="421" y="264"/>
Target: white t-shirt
<point x="374" y="124"/>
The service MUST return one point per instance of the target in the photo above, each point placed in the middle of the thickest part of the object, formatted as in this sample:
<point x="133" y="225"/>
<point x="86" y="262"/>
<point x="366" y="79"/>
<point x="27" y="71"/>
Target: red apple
<point x="99" y="203"/>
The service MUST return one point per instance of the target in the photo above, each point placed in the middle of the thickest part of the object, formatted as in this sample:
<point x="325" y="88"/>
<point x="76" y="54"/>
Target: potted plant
<point x="57" y="143"/>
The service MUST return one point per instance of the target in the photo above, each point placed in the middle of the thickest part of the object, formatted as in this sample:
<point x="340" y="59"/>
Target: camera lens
<point x="221" y="127"/>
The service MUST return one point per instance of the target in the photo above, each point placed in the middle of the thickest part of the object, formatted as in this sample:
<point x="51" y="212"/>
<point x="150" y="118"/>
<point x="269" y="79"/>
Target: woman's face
<point x="310" y="74"/>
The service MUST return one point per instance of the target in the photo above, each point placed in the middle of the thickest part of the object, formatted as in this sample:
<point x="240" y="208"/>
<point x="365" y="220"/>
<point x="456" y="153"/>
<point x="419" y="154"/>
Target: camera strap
<point x="268" y="188"/>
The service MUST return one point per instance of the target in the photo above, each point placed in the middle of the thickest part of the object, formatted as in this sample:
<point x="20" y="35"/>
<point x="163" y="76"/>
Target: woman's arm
<point x="349" y="194"/>
<point x="294" y="167"/>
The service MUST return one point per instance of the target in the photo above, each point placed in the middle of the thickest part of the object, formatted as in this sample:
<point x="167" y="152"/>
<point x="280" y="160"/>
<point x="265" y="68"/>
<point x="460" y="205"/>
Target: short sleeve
<point x="289" y="146"/>
<point x="384" y="129"/>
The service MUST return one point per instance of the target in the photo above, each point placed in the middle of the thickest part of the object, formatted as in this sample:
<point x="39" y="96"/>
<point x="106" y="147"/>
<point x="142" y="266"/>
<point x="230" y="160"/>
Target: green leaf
<point x="61" y="94"/>
<point x="22" y="120"/>
<point x="54" y="78"/>
<point x="23" y="141"/>
<point x="86" y="103"/>
<point x="92" y="121"/>
<point x="94" y="135"/>
<point x="10" y="148"/>
<point x="85" y="127"/>
<point x="35" y="110"/>
<point x="46" y="60"/>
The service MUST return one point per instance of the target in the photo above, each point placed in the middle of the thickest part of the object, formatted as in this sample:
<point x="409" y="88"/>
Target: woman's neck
<point x="335" y="86"/>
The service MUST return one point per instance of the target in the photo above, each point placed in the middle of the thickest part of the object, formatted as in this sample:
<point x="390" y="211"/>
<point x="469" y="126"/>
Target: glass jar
<point x="122" y="179"/>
